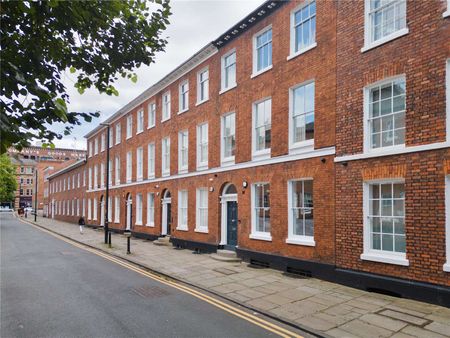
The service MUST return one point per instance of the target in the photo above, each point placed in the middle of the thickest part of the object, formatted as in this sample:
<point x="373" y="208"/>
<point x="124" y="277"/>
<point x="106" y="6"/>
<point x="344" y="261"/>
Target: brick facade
<point x="338" y="162"/>
<point x="421" y="57"/>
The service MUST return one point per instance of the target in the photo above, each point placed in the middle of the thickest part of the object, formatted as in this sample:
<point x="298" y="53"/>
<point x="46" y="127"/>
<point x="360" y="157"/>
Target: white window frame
<point x="259" y="235"/>
<point x="102" y="175"/>
<point x="292" y="41"/>
<point x="182" y="209"/>
<point x="263" y="153"/>
<point x="116" y="209"/>
<point x="447" y="11"/>
<point x="151" y="115"/>
<point x="200" y="84"/>
<point x="96" y="146"/>
<point x="110" y="172"/>
<point x="139" y="164"/>
<point x="151" y="159"/>
<point x="102" y="142"/>
<point x="139" y="204"/>
<point x="118" y="132"/>
<point x="109" y="209"/>
<point x="166" y="106"/>
<point x="90" y="152"/>
<point x="111" y="137"/>
<point x="256" y="72"/>
<point x="95" y="177"/>
<point x="89" y="215"/>
<point x="89" y="180"/>
<point x="129" y="126"/>
<point x="306" y="145"/>
<point x="293" y="238"/>
<point x="202" y="165"/>
<point x="117" y="170"/>
<point x="95" y="206"/>
<point x="150" y="209"/>
<point x="140" y="121"/>
<point x="367" y="133"/>
<point x="183" y="168"/>
<point x="198" y="226"/>
<point x="368" y="44"/>
<point x="129" y="167"/>
<point x="230" y="160"/>
<point x="183" y="94"/>
<point x="165" y="163"/>
<point x="368" y="254"/>
<point x="230" y="86"/>
<point x="83" y="210"/>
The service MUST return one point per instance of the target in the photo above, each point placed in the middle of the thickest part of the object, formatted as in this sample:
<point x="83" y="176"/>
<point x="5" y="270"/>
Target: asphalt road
<point x="50" y="288"/>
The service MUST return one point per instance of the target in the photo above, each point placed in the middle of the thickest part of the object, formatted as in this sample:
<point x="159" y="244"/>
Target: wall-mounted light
<point x="156" y="186"/>
<point x="211" y="179"/>
<point x="211" y="189"/>
<point x="157" y="194"/>
<point x="323" y="159"/>
<point x="244" y="184"/>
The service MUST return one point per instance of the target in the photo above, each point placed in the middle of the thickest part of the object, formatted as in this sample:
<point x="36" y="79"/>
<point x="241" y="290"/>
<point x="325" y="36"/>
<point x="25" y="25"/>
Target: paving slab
<point x="363" y="329"/>
<point x="404" y="317"/>
<point x="421" y="333"/>
<point x="440" y="328"/>
<point x="382" y="321"/>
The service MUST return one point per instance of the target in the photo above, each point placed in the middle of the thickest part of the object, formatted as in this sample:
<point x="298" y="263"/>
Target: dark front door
<point x="231" y="225"/>
<point x="169" y="217"/>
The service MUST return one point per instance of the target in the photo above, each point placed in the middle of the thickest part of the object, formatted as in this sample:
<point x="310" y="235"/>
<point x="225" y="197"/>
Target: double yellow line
<point x="276" y="329"/>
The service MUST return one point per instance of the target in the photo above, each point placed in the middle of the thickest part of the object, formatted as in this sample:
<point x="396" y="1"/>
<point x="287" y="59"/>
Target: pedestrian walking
<point x="81" y="223"/>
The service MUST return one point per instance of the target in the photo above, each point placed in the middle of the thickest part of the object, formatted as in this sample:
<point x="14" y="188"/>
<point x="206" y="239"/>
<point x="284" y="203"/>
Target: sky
<point x="193" y="24"/>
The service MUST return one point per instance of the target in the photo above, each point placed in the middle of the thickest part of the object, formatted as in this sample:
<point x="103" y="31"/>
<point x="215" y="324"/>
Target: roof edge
<point x="66" y="169"/>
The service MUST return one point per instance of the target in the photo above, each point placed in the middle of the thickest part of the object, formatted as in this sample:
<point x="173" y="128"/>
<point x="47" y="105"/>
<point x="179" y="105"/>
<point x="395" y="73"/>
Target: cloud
<point x="193" y="25"/>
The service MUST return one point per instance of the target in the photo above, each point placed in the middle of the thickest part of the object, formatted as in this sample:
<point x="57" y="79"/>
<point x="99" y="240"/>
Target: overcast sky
<point x="193" y="24"/>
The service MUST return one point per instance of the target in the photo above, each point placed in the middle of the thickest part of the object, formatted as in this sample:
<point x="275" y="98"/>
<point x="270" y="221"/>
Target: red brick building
<point x="273" y="140"/>
<point x="36" y="159"/>
<point x="392" y="143"/>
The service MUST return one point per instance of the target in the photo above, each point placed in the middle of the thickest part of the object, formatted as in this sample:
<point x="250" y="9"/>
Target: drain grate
<point x="225" y="271"/>
<point x="150" y="291"/>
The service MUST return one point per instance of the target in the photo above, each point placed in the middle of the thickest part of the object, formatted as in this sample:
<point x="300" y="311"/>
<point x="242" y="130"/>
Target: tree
<point x="97" y="40"/>
<point x="8" y="182"/>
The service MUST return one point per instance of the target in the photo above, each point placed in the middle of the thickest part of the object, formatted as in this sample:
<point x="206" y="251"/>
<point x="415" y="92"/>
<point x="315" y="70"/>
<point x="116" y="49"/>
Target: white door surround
<point x="102" y="212"/>
<point x="232" y="197"/>
<point x="129" y="204"/>
<point x="166" y="200"/>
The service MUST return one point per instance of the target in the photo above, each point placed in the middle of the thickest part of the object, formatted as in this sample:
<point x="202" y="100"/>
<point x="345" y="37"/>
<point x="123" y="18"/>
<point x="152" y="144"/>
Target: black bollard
<point x="128" y="245"/>
<point x="109" y="238"/>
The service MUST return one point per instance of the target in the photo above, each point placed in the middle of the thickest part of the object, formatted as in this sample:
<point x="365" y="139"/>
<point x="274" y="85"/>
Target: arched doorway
<point x="166" y="213"/>
<point x="102" y="211"/>
<point x="229" y="221"/>
<point x="129" y="211"/>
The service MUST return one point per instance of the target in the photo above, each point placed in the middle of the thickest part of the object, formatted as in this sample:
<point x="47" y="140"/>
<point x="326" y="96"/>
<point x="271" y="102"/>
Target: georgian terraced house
<point x="312" y="137"/>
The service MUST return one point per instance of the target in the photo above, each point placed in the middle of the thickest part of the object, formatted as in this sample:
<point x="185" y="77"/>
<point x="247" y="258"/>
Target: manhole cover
<point x="225" y="271"/>
<point x="150" y="291"/>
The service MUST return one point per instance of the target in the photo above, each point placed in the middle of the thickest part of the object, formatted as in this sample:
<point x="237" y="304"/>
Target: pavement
<point x="51" y="288"/>
<point x="326" y="308"/>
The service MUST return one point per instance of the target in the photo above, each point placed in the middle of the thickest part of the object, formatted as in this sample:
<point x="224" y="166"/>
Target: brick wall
<point x="420" y="56"/>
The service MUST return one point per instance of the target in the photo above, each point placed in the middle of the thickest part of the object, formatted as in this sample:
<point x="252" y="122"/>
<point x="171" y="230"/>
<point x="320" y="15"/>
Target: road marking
<point x="282" y="332"/>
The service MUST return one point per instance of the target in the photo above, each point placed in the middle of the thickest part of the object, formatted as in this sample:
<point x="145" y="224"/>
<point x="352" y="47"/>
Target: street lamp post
<point x="107" y="182"/>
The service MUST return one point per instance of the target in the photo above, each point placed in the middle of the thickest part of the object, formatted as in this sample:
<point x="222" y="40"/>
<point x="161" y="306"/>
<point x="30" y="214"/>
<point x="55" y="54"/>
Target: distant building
<point x="32" y="160"/>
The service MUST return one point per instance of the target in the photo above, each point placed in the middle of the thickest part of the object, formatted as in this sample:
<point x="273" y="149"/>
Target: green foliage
<point x="96" y="40"/>
<point x="8" y="181"/>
